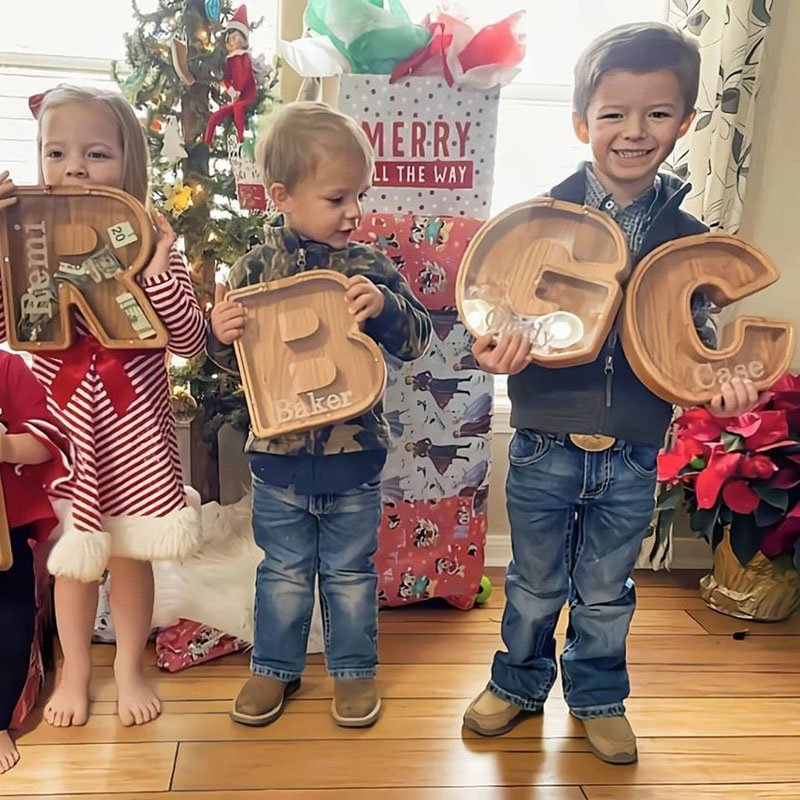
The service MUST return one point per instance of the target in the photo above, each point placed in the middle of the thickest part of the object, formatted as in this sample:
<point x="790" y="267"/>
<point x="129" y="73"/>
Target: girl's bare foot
<point x="69" y="703"/>
<point x="137" y="703"/>
<point x="9" y="755"/>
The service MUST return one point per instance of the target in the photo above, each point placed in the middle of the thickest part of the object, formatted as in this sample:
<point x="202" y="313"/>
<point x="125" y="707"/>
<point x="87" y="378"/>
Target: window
<point x="45" y="42"/>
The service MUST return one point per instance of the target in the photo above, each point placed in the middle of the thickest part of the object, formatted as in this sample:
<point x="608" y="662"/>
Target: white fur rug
<point x="217" y="586"/>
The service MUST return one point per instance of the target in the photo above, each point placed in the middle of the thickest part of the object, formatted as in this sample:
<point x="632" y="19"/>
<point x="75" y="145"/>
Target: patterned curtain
<point x="715" y="154"/>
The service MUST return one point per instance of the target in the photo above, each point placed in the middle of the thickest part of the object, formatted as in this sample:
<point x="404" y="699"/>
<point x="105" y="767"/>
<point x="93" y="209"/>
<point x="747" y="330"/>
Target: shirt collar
<point x="597" y="196"/>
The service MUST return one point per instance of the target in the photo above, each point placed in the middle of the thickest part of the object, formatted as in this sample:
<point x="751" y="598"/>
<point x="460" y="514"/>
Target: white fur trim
<point x="174" y="536"/>
<point x="81" y="555"/>
<point x="239" y="27"/>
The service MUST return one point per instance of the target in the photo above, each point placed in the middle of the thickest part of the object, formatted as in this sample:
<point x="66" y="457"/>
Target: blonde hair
<point x="135" y="159"/>
<point x="301" y="135"/>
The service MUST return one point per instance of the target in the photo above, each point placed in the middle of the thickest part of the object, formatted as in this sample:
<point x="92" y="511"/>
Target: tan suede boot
<point x="356" y="703"/>
<point x="261" y="700"/>
<point x="490" y="715"/>
<point x="611" y="739"/>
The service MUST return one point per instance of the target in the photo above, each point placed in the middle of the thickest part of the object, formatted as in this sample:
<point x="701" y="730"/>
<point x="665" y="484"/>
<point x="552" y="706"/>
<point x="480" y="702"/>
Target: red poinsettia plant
<point x="740" y="472"/>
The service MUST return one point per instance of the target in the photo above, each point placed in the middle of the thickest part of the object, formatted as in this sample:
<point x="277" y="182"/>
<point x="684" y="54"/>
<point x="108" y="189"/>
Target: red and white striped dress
<point x="127" y="497"/>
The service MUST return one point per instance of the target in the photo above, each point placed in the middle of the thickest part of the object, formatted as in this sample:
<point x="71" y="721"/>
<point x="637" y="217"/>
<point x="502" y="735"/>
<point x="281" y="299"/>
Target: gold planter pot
<point x="765" y="590"/>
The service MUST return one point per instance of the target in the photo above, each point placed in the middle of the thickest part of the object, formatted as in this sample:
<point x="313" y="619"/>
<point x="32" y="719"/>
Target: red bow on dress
<point x="75" y="363"/>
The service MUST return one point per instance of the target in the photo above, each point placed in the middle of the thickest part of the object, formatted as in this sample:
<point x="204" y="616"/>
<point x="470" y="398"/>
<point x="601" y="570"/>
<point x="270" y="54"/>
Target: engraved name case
<point x="73" y="247"/>
<point x="658" y="332"/>
<point x="304" y="362"/>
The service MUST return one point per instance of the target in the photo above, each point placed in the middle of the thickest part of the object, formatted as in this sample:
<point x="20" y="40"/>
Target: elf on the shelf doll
<point x="238" y="79"/>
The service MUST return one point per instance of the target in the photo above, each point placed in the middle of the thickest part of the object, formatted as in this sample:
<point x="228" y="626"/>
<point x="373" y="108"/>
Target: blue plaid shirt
<point x="634" y="220"/>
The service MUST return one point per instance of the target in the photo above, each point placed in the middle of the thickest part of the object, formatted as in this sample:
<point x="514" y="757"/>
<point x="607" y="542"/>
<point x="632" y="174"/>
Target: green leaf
<point x="767" y="515"/>
<point x="697" y="463"/>
<point x="671" y="498"/>
<point x="779" y="498"/>
<point x="732" y="442"/>
<point x="703" y="521"/>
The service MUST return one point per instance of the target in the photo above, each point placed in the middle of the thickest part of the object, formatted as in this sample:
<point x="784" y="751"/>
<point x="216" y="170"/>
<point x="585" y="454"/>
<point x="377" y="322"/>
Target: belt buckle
<point x="592" y="442"/>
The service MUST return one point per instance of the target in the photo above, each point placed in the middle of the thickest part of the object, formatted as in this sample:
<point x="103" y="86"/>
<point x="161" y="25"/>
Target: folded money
<point x="133" y="311"/>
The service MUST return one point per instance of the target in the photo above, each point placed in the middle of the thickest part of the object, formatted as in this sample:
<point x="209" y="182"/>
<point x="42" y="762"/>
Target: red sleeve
<point x="22" y="397"/>
<point x="23" y="409"/>
<point x="172" y="296"/>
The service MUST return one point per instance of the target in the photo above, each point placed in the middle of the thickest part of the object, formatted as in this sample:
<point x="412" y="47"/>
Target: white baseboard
<point x="687" y="553"/>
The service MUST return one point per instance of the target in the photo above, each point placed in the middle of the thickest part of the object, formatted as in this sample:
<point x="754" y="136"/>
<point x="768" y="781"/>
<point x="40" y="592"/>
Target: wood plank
<point x="723" y="625"/>
<point x="741" y="791"/>
<point x="468" y="793"/>
<point x="100" y="769"/>
<point x="170" y="707"/>
<point x="441" y="681"/>
<point x="651" y="622"/>
<point x="453" y="763"/>
<point x="682" y="578"/>
<point x="707" y="650"/>
<point x="422" y="612"/>
<point x="441" y="719"/>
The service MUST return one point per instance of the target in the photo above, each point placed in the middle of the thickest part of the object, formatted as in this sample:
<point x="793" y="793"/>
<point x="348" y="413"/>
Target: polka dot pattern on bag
<point x="434" y="145"/>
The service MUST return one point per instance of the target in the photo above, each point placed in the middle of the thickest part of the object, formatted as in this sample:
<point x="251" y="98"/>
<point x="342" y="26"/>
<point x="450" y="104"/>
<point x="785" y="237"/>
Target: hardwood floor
<point x="717" y="719"/>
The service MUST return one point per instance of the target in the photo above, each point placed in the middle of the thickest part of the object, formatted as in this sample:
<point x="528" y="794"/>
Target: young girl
<point x="34" y="456"/>
<point x="127" y="505"/>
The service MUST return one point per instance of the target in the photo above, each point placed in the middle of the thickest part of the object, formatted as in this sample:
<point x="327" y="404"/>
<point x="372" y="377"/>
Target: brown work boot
<point x="356" y="703"/>
<point x="611" y="739"/>
<point x="490" y="715"/>
<point x="261" y="700"/>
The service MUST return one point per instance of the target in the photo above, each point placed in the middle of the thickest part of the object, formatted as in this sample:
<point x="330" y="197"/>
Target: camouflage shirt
<point x="403" y="329"/>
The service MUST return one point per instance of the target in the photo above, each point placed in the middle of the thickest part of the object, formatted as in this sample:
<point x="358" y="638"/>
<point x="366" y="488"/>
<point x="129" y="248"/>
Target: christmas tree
<point x="177" y="55"/>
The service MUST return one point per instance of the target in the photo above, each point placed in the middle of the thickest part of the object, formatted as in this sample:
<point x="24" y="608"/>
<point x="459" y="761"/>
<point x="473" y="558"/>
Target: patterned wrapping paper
<point x="435" y="482"/>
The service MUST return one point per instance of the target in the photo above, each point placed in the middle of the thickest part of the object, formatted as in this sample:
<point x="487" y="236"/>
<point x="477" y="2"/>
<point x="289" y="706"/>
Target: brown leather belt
<point x="592" y="442"/>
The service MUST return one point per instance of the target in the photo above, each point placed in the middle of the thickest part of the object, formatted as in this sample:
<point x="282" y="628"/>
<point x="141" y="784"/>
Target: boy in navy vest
<point x="581" y="482"/>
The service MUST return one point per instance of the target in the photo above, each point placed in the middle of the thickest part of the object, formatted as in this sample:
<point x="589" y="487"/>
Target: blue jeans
<point x="330" y="536"/>
<point x="577" y="523"/>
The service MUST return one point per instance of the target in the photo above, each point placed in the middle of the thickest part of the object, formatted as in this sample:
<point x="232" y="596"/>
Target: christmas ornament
<point x="238" y="79"/>
<point x="133" y="84"/>
<point x="172" y="149"/>
<point x="212" y="10"/>
<point x="180" y="199"/>
<point x="184" y="406"/>
<point x="180" y="61"/>
<point x="250" y="190"/>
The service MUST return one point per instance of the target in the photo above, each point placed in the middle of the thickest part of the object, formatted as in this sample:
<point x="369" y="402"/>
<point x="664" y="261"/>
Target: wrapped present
<point x="187" y="643"/>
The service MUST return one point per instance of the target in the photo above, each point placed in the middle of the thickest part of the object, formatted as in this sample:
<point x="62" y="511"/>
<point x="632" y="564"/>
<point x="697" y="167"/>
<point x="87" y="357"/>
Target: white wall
<point x="772" y="202"/>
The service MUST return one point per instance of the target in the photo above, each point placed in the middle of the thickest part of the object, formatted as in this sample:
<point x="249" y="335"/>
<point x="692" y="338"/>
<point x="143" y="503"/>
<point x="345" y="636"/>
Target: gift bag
<point x="427" y="250"/>
<point x="434" y="145"/>
<point x="436" y="478"/>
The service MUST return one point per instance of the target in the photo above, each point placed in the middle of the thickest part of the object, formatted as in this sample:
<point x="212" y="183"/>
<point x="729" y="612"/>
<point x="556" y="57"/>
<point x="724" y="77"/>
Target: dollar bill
<point x="76" y="274"/>
<point x="133" y="311"/>
<point x="102" y="265"/>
